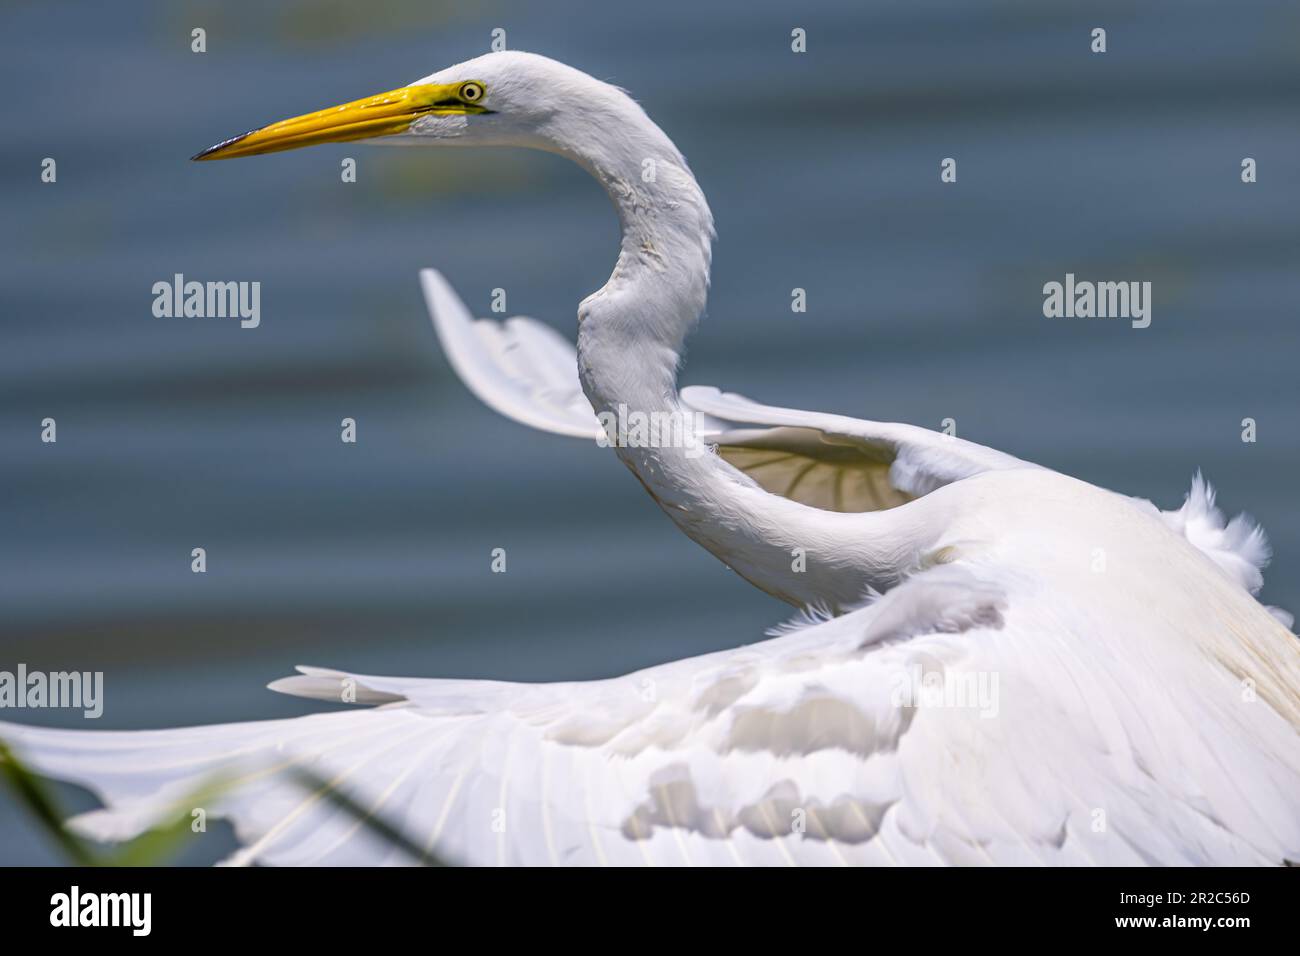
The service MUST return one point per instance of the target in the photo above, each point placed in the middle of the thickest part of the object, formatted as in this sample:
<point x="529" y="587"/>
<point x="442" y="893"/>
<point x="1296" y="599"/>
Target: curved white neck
<point x="631" y="332"/>
<point x="630" y="338"/>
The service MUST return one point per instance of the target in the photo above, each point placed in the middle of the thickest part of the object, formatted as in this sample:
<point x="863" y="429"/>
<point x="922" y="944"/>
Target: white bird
<point x="970" y="683"/>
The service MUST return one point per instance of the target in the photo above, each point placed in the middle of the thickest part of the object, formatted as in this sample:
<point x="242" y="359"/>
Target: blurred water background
<point x="823" y="172"/>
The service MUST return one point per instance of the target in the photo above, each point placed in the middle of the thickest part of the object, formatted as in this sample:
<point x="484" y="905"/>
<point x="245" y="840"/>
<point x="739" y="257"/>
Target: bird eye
<point x="471" y="92"/>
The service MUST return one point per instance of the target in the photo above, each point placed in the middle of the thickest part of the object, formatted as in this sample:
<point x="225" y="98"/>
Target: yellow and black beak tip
<point x="212" y="152"/>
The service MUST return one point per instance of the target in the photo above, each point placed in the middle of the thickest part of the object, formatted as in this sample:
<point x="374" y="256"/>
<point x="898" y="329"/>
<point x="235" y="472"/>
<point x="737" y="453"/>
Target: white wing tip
<point x="320" y="683"/>
<point x="446" y="308"/>
<point x="700" y="391"/>
<point x="433" y="282"/>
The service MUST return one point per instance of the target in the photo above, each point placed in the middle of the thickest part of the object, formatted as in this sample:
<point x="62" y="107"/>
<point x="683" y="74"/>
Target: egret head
<point x="506" y="98"/>
<point x="512" y="98"/>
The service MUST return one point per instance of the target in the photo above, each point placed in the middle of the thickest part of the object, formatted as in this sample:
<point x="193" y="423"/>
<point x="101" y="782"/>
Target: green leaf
<point x="375" y="824"/>
<point x="32" y="793"/>
<point x="151" y="848"/>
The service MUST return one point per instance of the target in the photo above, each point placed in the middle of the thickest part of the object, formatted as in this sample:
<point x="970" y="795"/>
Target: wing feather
<point x="522" y="369"/>
<point x="841" y="741"/>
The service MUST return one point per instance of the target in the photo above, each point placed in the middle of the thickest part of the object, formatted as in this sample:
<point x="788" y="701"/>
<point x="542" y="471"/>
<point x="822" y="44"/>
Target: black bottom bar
<point x="364" y="906"/>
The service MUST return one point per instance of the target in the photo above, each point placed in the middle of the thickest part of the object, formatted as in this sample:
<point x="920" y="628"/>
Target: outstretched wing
<point x="527" y="371"/>
<point x="956" y="719"/>
<point x="521" y="368"/>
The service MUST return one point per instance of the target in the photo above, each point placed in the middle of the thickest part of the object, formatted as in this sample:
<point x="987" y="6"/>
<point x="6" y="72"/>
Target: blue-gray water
<point x="823" y="172"/>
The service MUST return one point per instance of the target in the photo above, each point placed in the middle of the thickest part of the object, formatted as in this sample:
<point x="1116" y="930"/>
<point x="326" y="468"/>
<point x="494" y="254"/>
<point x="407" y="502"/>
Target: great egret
<point x="968" y="684"/>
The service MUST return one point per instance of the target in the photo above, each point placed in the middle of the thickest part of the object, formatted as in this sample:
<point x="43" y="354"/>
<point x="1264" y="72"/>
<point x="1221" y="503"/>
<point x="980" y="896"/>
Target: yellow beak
<point x="382" y="115"/>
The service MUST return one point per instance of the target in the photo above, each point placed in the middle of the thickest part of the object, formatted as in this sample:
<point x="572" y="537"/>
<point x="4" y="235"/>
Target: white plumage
<point x="995" y="663"/>
<point x="1083" y="752"/>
